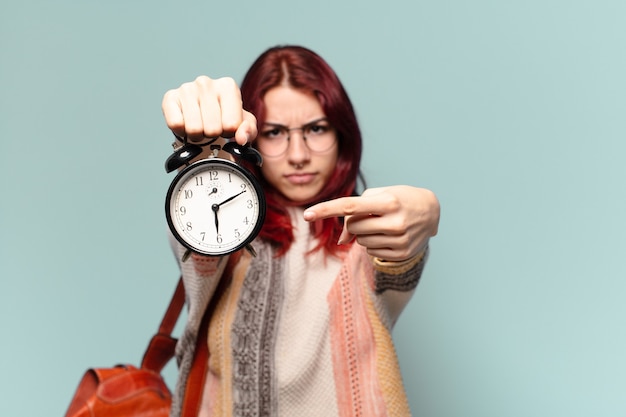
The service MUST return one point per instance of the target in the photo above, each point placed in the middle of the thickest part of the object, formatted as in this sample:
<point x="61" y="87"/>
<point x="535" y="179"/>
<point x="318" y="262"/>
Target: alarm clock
<point x="214" y="206"/>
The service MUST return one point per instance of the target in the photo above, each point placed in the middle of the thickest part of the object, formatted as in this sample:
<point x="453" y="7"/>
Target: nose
<point x="297" y="151"/>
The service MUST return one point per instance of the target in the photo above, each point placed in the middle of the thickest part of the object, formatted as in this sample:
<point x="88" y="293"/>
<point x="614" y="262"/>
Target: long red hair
<point x="305" y="70"/>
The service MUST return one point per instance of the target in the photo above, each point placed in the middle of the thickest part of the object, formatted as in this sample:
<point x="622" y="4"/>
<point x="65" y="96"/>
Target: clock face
<point x="215" y="207"/>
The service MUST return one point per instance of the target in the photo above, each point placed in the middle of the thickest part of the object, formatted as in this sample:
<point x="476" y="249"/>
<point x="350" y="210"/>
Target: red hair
<point x="304" y="70"/>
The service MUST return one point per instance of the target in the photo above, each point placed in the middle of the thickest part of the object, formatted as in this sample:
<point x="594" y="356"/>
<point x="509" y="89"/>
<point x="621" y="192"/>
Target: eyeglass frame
<point x="302" y="129"/>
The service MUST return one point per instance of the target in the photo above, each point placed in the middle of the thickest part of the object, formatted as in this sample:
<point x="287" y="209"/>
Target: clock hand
<point x="213" y="191"/>
<point x="231" y="198"/>
<point x="216" y="208"/>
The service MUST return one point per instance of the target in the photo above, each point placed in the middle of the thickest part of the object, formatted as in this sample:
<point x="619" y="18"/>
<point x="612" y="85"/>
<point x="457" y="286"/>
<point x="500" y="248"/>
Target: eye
<point x="317" y="129"/>
<point x="272" y="133"/>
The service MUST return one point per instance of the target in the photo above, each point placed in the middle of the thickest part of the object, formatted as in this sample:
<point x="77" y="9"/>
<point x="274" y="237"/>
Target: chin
<point x="301" y="197"/>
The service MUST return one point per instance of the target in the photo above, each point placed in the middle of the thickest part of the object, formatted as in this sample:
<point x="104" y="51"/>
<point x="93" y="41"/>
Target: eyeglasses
<point x="274" y="139"/>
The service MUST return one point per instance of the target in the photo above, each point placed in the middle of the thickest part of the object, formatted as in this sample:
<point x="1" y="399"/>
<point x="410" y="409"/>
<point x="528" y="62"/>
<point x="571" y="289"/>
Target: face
<point x="299" y="174"/>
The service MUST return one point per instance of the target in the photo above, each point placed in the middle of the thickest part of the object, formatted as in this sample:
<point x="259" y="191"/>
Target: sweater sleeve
<point x="395" y="283"/>
<point x="399" y="276"/>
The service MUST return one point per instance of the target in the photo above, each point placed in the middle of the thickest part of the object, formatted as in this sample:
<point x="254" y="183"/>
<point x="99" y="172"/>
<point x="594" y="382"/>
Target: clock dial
<point x="215" y="207"/>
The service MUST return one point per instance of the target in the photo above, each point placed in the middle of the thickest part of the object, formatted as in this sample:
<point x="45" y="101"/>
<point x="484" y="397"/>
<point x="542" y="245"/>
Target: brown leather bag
<point x="126" y="390"/>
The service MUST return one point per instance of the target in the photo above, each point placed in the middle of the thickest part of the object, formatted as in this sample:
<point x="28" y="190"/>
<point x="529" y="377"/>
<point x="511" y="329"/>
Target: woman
<point x="302" y="329"/>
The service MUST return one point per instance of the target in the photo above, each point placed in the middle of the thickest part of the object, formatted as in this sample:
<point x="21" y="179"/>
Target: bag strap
<point x="162" y="345"/>
<point x="173" y="310"/>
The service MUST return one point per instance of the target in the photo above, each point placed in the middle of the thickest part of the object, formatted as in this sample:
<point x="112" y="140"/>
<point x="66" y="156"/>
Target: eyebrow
<point x="312" y="122"/>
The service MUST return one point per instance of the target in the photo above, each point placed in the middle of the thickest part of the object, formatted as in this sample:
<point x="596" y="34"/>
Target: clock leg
<point x="251" y="250"/>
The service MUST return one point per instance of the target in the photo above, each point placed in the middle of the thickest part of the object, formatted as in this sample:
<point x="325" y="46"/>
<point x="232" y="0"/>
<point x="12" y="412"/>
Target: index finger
<point x="341" y="207"/>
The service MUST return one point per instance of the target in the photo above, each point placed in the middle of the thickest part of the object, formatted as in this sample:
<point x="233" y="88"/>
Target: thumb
<point x="345" y="236"/>
<point x="247" y="130"/>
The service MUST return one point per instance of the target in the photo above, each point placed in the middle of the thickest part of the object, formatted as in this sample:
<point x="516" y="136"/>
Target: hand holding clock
<point x="208" y="108"/>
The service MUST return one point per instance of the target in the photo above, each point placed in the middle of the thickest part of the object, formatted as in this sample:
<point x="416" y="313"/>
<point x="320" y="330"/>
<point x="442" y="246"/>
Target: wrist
<point x="399" y="267"/>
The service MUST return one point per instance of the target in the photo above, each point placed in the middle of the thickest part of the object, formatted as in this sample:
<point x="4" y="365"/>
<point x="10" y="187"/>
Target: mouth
<point x="300" y="178"/>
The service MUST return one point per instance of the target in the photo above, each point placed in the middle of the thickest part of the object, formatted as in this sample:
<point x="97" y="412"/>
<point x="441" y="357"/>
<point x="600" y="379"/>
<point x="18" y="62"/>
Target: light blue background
<point x="511" y="111"/>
